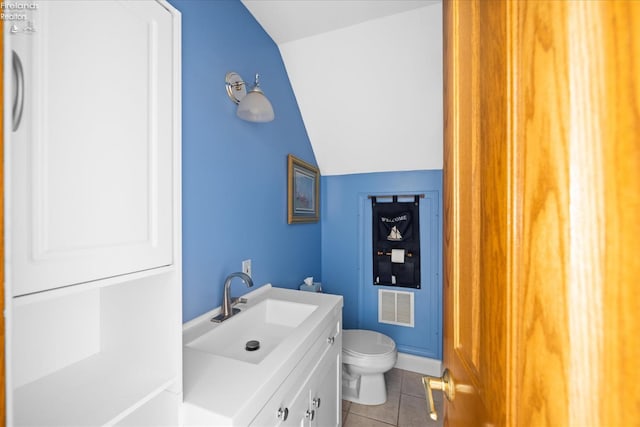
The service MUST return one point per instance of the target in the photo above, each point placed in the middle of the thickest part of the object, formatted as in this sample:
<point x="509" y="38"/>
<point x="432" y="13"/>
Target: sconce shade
<point x="255" y="107"/>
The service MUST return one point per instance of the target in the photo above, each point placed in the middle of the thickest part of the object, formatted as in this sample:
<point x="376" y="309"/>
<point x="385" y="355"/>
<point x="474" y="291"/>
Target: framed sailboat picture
<point x="303" y="191"/>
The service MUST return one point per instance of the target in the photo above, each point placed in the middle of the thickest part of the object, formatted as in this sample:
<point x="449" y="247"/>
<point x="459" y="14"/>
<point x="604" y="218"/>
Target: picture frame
<point x="303" y="191"/>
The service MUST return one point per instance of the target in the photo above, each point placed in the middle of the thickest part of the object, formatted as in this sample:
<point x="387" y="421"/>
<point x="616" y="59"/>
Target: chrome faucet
<point x="227" y="301"/>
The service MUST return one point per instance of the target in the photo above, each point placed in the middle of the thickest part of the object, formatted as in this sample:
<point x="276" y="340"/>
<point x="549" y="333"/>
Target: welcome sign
<point x="396" y="241"/>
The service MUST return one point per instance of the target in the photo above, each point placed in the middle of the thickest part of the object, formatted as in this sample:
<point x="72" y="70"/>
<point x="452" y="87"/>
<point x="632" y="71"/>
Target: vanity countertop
<point x="223" y="391"/>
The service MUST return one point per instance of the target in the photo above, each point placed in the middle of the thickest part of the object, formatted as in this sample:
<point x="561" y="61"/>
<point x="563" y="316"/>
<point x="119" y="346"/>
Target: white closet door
<point x="91" y="161"/>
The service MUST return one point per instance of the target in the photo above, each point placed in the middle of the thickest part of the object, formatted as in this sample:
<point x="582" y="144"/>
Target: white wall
<point x="371" y="94"/>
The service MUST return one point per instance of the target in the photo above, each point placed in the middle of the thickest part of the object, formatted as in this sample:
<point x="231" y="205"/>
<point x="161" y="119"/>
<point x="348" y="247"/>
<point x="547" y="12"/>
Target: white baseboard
<point x="419" y="364"/>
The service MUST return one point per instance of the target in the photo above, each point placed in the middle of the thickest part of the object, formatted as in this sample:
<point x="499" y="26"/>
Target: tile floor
<point x="406" y="405"/>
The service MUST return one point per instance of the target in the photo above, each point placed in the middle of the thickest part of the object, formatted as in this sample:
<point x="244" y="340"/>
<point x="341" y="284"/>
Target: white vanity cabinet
<point x="310" y="396"/>
<point x="293" y="379"/>
<point x="93" y="214"/>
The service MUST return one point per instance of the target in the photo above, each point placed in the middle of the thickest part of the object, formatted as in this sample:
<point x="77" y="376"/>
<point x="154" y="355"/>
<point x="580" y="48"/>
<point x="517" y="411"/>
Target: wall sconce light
<point x="253" y="106"/>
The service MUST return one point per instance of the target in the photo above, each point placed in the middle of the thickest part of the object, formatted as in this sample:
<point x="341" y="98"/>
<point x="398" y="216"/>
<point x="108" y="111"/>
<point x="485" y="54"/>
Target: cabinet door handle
<point x="315" y="402"/>
<point x="283" y="414"/>
<point x="18" y="102"/>
<point x="331" y="340"/>
<point x="310" y="415"/>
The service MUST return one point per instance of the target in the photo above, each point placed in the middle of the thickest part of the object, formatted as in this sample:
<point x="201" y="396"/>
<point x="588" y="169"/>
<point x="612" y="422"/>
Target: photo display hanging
<point x="396" y="241"/>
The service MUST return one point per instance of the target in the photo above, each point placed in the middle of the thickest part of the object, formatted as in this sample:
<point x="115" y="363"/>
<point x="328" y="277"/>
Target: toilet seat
<point x="360" y="343"/>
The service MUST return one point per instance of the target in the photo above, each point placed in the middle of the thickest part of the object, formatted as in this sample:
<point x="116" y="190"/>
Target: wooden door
<point x="542" y="212"/>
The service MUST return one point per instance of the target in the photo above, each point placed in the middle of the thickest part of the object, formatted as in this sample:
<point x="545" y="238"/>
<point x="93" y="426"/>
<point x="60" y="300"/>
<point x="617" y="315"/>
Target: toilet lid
<point x="367" y="343"/>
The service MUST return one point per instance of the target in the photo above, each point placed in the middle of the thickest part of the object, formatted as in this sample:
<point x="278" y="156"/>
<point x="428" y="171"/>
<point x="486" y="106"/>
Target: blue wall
<point x="235" y="172"/>
<point x="347" y="259"/>
<point x="234" y="188"/>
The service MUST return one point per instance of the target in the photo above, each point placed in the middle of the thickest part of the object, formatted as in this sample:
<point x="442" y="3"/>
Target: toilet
<point x="366" y="356"/>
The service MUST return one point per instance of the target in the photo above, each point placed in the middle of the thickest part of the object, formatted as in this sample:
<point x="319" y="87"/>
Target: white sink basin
<point x="268" y="322"/>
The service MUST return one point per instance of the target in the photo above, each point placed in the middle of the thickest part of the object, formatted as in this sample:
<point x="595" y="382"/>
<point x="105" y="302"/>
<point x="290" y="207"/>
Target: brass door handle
<point x="444" y="383"/>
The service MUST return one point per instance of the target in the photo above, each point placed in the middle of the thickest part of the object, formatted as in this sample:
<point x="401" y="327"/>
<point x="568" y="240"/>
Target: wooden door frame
<point x="3" y="395"/>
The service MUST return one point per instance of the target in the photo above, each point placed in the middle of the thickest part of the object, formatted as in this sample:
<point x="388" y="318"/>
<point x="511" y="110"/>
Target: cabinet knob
<point x="331" y="340"/>
<point x="283" y="414"/>
<point x="316" y="402"/>
<point x="310" y="415"/>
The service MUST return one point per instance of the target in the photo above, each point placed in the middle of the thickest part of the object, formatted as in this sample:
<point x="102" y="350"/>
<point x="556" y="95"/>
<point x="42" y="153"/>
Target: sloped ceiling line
<point x="367" y="75"/>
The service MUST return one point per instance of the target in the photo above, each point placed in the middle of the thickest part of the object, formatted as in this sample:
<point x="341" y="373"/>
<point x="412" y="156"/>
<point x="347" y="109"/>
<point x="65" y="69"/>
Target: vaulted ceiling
<point x="367" y="75"/>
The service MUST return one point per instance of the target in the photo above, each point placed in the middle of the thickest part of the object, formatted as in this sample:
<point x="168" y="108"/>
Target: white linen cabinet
<point x="93" y="224"/>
